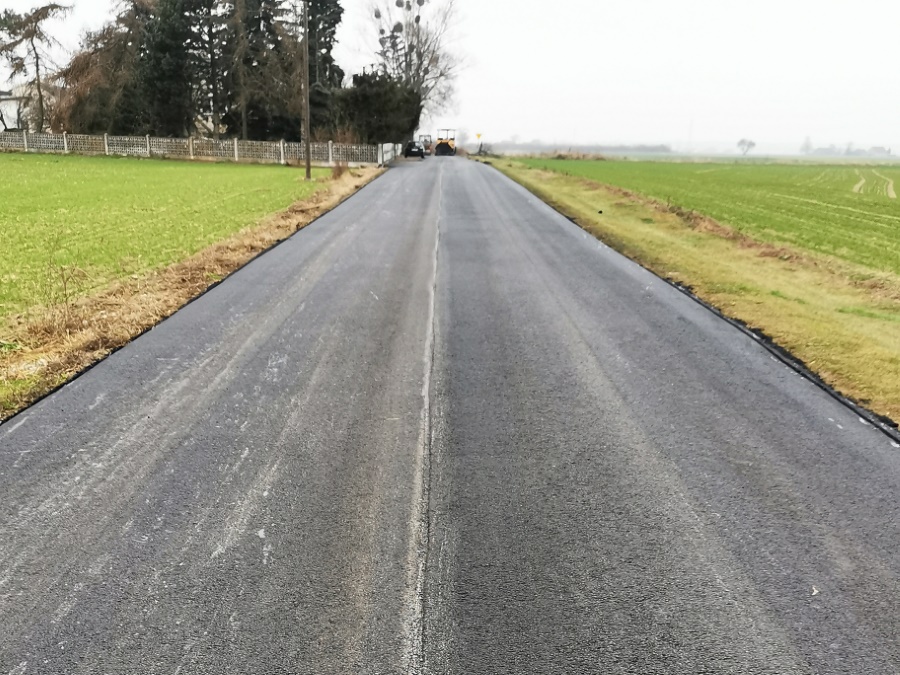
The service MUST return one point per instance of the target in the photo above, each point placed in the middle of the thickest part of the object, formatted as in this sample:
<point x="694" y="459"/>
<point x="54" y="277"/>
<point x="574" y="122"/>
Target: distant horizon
<point x="700" y="149"/>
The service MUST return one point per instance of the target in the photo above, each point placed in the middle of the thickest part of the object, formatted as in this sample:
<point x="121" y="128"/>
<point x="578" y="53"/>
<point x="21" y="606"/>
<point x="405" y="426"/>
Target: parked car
<point x="414" y="149"/>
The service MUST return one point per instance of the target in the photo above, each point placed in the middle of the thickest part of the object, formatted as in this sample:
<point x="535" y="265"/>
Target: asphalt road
<point x="442" y="430"/>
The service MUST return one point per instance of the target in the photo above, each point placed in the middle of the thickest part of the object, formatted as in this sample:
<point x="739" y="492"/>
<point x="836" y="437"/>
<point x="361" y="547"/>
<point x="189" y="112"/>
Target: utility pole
<point x="306" y="122"/>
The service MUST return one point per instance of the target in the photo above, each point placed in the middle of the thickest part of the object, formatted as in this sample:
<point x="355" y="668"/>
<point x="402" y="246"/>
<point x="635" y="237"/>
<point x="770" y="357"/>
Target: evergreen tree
<point x="164" y="71"/>
<point x="174" y="67"/>
<point x="209" y="63"/>
<point x="261" y="59"/>
<point x="379" y="108"/>
<point x="324" y="18"/>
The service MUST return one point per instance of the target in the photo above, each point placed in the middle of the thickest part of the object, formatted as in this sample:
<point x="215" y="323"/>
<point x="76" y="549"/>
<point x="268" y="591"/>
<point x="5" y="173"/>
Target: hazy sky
<point x="696" y="74"/>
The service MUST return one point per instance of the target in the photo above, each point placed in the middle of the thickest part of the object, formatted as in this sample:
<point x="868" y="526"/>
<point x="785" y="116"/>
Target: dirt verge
<point x="43" y="349"/>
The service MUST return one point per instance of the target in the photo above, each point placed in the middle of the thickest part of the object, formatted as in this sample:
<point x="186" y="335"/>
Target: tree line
<point x="233" y="68"/>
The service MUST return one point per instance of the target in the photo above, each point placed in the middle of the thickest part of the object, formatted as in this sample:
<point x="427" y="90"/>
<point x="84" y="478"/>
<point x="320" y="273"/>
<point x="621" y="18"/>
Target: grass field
<point x="790" y="250"/>
<point x="112" y="218"/>
<point x="93" y="251"/>
<point x="811" y="207"/>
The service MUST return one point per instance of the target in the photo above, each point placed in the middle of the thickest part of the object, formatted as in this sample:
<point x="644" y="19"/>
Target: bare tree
<point x="99" y="91"/>
<point x="24" y="44"/>
<point x="746" y="145"/>
<point x="414" y="36"/>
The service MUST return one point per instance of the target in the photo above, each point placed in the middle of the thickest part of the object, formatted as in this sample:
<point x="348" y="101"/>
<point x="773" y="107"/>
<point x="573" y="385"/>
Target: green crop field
<point x="112" y="217"/>
<point x="842" y="211"/>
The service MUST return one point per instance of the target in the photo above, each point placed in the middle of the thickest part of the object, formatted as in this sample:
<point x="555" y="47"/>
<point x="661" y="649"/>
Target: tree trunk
<point x="244" y="117"/>
<point x="240" y="11"/>
<point x="306" y="136"/>
<point x="37" y="82"/>
<point x="214" y="79"/>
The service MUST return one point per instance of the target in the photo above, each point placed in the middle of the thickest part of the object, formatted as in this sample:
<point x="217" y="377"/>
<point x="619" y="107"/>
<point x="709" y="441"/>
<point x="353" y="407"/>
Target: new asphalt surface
<point x="443" y="430"/>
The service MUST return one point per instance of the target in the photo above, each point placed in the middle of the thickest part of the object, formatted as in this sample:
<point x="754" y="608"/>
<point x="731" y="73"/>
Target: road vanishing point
<point x="443" y="430"/>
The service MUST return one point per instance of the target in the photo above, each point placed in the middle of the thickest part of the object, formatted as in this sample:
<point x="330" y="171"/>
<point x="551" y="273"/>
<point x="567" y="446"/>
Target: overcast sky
<point x="696" y="74"/>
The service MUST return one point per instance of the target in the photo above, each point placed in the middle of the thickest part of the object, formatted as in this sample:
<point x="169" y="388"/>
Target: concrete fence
<point x="263" y="152"/>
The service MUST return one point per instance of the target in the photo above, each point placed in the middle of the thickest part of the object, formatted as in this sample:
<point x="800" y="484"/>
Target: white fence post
<point x="331" y="153"/>
<point x="65" y="142"/>
<point x="148" y="146"/>
<point x="236" y="157"/>
<point x="281" y="148"/>
<point x="380" y="157"/>
<point x="25" y="140"/>
<point x="106" y="144"/>
<point x="191" y="146"/>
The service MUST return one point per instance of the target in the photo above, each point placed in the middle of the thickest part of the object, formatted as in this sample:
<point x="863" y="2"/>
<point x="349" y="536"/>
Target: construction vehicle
<point x="446" y="142"/>
<point x="425" y="140"/>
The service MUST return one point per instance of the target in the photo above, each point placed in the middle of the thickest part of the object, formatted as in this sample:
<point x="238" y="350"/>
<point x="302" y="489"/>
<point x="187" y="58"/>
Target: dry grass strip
<point x="46" y="347"/>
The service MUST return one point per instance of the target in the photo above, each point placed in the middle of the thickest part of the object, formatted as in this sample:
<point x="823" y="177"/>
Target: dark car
<point x="414" y="149"/>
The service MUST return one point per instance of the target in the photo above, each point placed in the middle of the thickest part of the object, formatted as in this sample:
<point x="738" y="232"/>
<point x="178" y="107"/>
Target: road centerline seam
<point x="420" y="524"/>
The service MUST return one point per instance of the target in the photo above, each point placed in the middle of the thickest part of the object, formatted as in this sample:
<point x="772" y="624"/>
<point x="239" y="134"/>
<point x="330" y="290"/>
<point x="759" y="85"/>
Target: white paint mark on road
<point x="863" y="422"/>
<point x="815" y="591"/>
<point x="97" y="401"/>
<point x="66" y="607"/>
<point x="373" y="295"/>
<point x="16" y="426"/>
<point x="261" y="534"/>
<point x="895" y="444"/>
<point x="236" y="523"/>
<point x="21" y="453"/>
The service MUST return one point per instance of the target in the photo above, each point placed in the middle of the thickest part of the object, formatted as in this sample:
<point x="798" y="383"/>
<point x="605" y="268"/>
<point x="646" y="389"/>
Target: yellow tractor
<point x="446" y="142"/>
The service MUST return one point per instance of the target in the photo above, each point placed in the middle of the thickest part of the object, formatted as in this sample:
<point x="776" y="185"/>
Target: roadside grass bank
<point x="838" y="315"/>
<point x="840" y="211"/>
<point x="95" y="251"/>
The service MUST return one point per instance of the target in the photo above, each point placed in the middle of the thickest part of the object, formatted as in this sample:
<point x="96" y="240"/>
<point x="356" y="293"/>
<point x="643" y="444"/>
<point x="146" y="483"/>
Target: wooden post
<point x="236" y="157"/>
<point x="149" y="152"/>
<point x="331" y="153"/>
<point x="106" y="144"/>
<point x="65" y="143"/>
<point x="306" y="122"/>
<point x="25" y="140"/>
<point x="281" y="148"/>
<point x="191" y="146"/>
